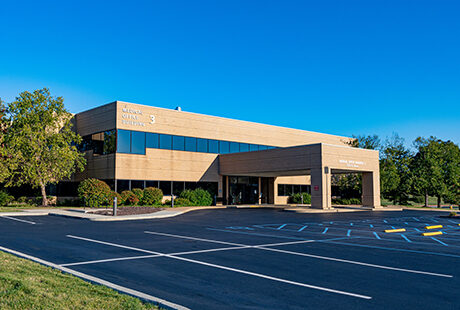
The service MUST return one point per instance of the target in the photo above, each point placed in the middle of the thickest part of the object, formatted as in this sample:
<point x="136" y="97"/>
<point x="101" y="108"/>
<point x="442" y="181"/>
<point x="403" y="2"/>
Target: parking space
<point x="259" y="259"/>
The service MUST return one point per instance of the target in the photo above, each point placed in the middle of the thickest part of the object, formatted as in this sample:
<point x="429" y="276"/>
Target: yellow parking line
<point x="433" y="227"/>
<point x="434" y="233"/>
<point x="395" y="230"/>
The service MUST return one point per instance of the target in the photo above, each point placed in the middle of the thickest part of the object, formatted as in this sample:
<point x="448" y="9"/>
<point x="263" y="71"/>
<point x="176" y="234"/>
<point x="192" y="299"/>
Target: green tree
<point x="436" y="169"/>
<point x="395" y="170"/>
<point x="40" y="144"/>
<point x="3" y="154"/>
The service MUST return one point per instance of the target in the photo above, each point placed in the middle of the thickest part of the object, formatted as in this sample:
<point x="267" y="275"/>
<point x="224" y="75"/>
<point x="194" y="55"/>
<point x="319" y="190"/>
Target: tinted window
<point x="234" y="147"/>
<point x="262" y="147"/>
<point x="213" y="146"/>
<point x="124" y="141"/>
<point x="151" y="184"/>
<point x="137" y="184"/>
<point x="178" y="143"/>
<point x="165" y="142"/>
<point x="165" y="187"/>
<point x="244" y="147"/>
<point x="152" y="140"/>
<point x="137" y="142"/>
<point x="253" y="147"/>
<point x="178" y="187"/>
<point x="110" y="139"/>
<point x="224" y="147"/>
<point x="122" y="185"/>
<point x="202" y="145"/>
<point x="281" y="190"/>
<point x="190" y="144"/>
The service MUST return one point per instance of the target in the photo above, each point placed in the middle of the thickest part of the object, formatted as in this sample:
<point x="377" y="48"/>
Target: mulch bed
<point x="130" y="210"/>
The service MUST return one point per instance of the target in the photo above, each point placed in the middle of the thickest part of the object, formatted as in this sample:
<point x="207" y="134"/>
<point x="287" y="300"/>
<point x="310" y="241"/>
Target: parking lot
<point x="259" y="258"/>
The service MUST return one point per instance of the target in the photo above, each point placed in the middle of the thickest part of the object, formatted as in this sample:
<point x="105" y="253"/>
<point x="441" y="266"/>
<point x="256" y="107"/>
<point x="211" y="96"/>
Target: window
<point x="165" y="142"/>
<point x="152" y="140"/>
<point x="234" y="147"/>
<point x="190" y="144"/>
<point x="224" y="147"/>
<point x="110" y="139"/>
<point x="178" y="187"/>
<point x="281" y="190"/>
<point x="178" y="143"/>
<point x="151" y="184"/>
<point x="202" y="145"/>
<point x="165" y="186"/>
<point x="244" y="147"/>
<point x="138" y="142"/>
<point x="253" y="147"/>
<point x="122" y="185"/>
<point x="213" y="146"/>
<point x="124" y="141"/>
<point x="262" y="147"/>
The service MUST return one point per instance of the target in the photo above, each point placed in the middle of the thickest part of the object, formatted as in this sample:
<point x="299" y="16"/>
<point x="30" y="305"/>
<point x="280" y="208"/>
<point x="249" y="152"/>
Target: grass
<point x="28" y="285"/>
<point x="19" y="207"/>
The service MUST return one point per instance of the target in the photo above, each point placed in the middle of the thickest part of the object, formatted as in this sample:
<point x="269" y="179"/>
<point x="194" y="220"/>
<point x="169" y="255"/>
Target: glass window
<point x="234" y="147"/>
<point x="137" y="184"/>
<point x="110" y="139"/>
<point x="165" y="186"/>
<point x="178" y="143"/>
<point x="138" y="142"/>
<point x="262" y="147"/>
<point x="122" y="185"/>
<point x="152" y="140"/>
<point x="253" y="147"/>
<point x="165" y="142"/>
<point x="202" y="145"/>
<point x="224" y="147"/>
<point x="124" y="141"/>
<point x="289" y="190"/>
<point x="281" y="190"/>
<point x="213" y="146"/>
<point x="244" y="147"/>
<point x="190" y="185"/>
<point x="178" y="187"/>
<point x="151" y="184"/>
<point x="190" y="144"/>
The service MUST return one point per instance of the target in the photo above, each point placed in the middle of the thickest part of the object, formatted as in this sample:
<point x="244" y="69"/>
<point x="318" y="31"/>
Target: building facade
<point x="135" y="146"/>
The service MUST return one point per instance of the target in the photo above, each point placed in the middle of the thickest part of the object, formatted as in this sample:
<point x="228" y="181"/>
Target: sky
<point x="337" y="67"/>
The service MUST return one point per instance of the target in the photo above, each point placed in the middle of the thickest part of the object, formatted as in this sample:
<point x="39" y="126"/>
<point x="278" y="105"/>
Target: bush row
<point x="297" y="198"/>
<point x="96" y="193"/>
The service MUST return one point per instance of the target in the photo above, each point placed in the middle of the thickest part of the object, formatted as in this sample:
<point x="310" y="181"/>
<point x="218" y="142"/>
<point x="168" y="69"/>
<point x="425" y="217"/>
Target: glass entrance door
<point x="243" y="190"/>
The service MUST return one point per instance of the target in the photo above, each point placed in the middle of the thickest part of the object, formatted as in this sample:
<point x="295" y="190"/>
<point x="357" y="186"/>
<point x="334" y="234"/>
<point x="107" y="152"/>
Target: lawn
<point x="28" y="285"/>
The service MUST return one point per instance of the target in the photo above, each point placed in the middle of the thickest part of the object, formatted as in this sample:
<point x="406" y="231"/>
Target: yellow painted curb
<point x="434" y="233"/>
<point x="395" y="230"/>
<point x="433" y="227"/>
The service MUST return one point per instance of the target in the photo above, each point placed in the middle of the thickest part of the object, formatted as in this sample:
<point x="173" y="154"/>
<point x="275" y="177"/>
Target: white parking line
<point x="266" y="248"/>
<point x="228" y="268"/>
<point x="15" y="219"/>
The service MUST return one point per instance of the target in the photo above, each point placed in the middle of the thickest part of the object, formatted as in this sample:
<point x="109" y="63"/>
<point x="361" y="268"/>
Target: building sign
<point x="134" y="117"/>
<point x="316" y="188"/>
<point x="352" y="163"/>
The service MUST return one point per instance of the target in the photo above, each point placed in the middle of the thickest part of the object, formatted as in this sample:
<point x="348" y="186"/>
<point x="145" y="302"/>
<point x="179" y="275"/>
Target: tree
<point x="395" y="169"/>
<point x="40" y="144"/>
<point x="436" y="169"/>
<point x="3" y="162"/>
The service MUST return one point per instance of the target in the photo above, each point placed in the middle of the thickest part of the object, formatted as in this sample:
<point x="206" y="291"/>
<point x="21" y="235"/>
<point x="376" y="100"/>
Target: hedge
<point x="94" y="193"/>
<point x="152" y="196"/>
<point x="197" y="197"/>
<point x="297" y="198"/>
<point x="129" y="198"/>
<point x="138" y="192"/>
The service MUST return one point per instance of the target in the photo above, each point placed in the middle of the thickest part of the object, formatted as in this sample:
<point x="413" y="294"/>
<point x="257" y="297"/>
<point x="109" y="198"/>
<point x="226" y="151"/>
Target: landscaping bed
<point x="129" y="210"/>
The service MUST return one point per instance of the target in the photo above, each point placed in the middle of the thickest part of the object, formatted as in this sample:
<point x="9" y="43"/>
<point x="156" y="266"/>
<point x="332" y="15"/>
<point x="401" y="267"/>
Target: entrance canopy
<point x="317" y="160"/>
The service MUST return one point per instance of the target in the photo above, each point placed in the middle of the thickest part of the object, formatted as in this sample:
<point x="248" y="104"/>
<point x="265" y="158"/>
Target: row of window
<point x="176" y="187"/>
<point x="291" y="189"/>
<point x="100" y="143"/>
<point x="135" y="142"/>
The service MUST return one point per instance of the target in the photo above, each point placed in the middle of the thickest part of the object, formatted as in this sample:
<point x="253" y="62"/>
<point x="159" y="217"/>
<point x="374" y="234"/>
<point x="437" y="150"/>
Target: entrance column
<point x="259" y="196"/>
<point x="371" y="189"/>
<point x="321" y="188"/>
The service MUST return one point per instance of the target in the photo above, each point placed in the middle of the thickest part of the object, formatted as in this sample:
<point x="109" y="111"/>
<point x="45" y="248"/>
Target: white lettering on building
<point x="133" y="117"/>
<point x="352" y="163"/>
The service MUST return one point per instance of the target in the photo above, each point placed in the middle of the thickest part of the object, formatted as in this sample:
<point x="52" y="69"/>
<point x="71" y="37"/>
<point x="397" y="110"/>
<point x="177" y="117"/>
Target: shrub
<point x="112" y="195"/>
<point x="297" y="198"/>
<point x="182" y="202"/>
<point x="94" y="193"/>
<point x="5" y="198"/>
<point x="347" y="201"/>
<point x="152" y="196"/>
<point x="138" y="192"/>
<point x="23" y="199"/>
<point x="129" y="198"/>
<point x="197" y="197"/>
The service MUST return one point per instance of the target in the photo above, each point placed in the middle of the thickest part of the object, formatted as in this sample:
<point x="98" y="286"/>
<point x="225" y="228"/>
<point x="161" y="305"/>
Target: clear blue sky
<point x="339" y="67"/>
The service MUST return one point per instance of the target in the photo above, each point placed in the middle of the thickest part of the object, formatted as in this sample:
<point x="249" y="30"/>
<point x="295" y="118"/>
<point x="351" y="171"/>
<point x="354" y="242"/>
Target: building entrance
<point x="243" y="190"/>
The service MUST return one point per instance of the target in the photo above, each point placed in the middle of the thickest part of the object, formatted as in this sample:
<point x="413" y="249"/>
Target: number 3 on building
<point x="152" y="119"/>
